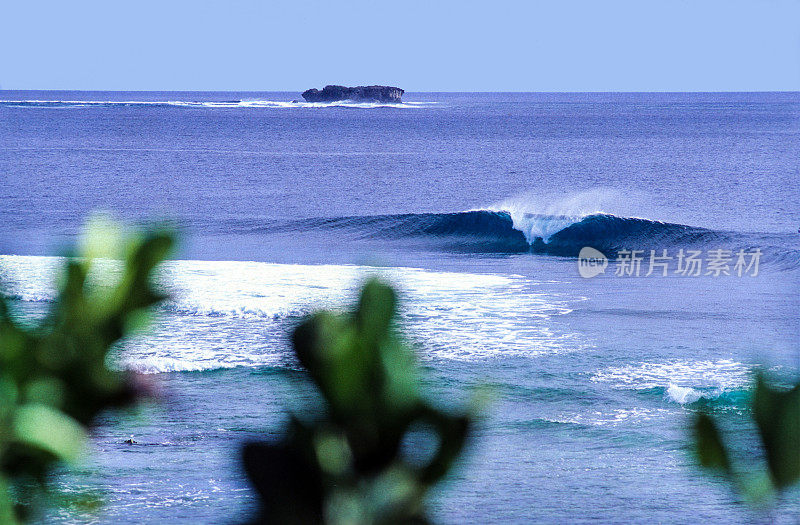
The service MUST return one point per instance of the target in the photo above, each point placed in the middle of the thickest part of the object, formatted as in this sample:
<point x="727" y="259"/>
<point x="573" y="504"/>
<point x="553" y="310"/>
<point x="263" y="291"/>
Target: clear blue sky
<point x="559" y="45"/>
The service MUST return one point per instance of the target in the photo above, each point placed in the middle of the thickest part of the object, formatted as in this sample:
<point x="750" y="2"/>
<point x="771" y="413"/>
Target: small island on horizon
<point x="331" y="93"/>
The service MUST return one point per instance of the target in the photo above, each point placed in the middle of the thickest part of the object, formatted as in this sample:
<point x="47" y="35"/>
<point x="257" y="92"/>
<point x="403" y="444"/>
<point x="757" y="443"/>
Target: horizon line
<point x="664" y="91"/>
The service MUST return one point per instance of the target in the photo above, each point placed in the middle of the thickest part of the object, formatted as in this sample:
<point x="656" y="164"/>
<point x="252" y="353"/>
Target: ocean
<point x="476" y="206"/>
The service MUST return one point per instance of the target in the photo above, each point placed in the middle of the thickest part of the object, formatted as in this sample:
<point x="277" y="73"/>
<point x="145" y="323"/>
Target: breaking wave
<point x="489" y="231"/>
<point x="714" y="384"/>
<point x="712" y="398"/>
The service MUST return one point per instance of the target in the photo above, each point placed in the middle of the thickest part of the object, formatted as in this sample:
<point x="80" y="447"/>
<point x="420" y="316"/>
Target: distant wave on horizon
<point x="248" y="103"/>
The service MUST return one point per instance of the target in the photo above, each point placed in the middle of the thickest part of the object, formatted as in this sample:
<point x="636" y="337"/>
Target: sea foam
<point x="225" y="314"/>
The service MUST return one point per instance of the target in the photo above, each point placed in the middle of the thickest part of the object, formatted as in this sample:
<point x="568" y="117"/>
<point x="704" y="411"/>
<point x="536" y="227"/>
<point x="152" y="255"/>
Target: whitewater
<point x="458" y="316"/>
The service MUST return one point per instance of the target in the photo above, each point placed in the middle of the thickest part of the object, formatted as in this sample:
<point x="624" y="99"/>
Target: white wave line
<point x="217" y="104"/>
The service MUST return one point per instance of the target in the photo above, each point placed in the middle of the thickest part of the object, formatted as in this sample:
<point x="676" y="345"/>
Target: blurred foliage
<point x="776" y="413"/>
<point x="53" y="376"/>
<point x="351" y="463"/>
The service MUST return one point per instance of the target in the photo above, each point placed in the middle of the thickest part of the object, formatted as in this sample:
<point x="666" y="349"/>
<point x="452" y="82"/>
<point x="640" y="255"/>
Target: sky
<point x="435" y="45"/>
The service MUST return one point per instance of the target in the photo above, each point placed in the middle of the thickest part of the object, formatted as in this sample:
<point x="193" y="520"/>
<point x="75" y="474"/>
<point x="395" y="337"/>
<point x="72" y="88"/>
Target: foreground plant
<point x="351" y="462"/>
<point x="53" y="376"/>
<point x="776" y="413"/>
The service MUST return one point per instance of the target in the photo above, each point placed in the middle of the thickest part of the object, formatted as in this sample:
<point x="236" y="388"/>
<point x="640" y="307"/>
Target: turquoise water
<point x="476" y="206"/>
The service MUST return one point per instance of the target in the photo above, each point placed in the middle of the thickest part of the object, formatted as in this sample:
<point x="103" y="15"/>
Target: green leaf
<point x="101" y="238"/>
<point x="7" y="514"/>
<point x="46" y="391"/>
<point x="44" y="427"/>
<point x="709" y="446"/>
<point x="375" y="310"/>
<point x="777" y="415"/>
<point x="347" y="459"/>
<point x="58" y="367"/>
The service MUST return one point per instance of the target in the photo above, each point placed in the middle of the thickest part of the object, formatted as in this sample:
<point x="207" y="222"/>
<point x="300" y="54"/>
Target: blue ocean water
<point x="476" y="206"/>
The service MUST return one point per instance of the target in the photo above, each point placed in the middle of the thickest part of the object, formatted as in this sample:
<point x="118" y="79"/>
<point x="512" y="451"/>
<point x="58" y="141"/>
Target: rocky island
<point x="385" y="94"/>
